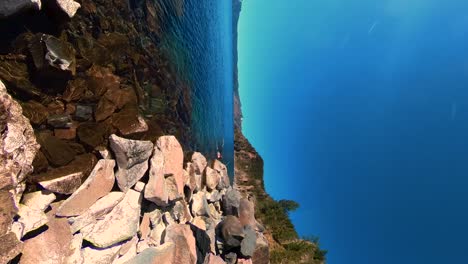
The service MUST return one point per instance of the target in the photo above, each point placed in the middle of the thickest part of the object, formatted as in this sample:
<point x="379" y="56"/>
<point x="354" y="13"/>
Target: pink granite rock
<point x="99" y="183"/>
<point x="52" y="246"/>
<point x="120" y="224"/>
<point x="181" y="235"/>
<point x="166" y="182"/>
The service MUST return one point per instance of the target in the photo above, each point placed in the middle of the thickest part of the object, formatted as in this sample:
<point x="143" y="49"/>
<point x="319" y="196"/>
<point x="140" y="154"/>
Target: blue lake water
<point x="198" y="38"/>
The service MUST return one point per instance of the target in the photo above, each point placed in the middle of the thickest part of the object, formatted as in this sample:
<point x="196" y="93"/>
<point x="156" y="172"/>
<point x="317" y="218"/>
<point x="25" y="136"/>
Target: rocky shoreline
<point x="140" y="203"/>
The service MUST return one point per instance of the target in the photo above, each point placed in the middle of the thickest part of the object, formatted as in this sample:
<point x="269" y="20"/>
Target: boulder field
<point x="141" y="202"/>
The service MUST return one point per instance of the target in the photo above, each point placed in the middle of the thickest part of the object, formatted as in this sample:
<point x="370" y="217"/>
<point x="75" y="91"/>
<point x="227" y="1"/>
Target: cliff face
<point x="236" y="10"/>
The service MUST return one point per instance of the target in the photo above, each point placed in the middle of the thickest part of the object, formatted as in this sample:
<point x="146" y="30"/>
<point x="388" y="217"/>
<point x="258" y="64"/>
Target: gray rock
<point x="132" y="160"/>
<point x="59" y="121"/>
<point x="83" y="112"/>
<point x="162" y="254"/>
<point x="231" y="201"/>
<point x="120" y="224"/>
<point x="10" y="7"/>
<point x="59" y="54"/>
<point x="231" y="231"/>
<point x="249" y="242"/>
<point x="214" y="196"/>
<point x="231" y="258"/>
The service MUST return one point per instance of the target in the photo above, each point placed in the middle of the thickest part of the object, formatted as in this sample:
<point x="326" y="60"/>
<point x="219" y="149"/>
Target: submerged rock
<point x="11" y="7"/>
<point x="67" y="179"/>
<point x="57" y="151"/>
<point x="35" y="112"/>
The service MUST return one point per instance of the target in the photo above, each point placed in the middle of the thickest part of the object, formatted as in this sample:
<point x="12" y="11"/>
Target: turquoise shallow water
<point x="198" y="38"/>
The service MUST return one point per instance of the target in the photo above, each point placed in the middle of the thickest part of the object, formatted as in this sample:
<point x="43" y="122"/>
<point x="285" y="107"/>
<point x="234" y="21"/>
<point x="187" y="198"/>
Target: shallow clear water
<point x="197" y="37"/>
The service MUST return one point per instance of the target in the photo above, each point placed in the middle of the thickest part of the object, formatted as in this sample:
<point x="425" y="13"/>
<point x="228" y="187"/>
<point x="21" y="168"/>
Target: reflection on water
<point x="196" y="36"/>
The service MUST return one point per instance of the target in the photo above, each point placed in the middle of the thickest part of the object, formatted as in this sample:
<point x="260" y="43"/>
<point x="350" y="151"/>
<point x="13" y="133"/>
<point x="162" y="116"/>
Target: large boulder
<point x="10" y="7"/>
<point x="120" y="224"/>
<point x="181" y="235"/>
<point x="132" y="160"/>
<point x="97" y="211"/>
<point x="231" y="202"/>
<point x="231" y="231"/>
<point x="224" y="177"/>
<point x="166" y="176"/>
<point x="249" y="242"/>
<point x="98" y="184"/>
<point x="247" y="213"/>
<point x="18" y="145"/>
<point x="67" y="179"/>
<point x="52" y="246"/>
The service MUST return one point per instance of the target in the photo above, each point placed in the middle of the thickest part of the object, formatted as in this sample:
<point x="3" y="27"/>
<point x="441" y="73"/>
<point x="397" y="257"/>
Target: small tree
<point x="288" y="205"/>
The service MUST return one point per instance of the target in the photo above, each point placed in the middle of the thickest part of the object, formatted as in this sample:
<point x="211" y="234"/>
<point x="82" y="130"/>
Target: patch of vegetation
<point x="300" y="251"/>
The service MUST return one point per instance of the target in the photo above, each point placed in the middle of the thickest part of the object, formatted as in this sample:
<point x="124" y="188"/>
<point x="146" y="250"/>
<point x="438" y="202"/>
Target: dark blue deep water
<point x="197" y="36"/>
